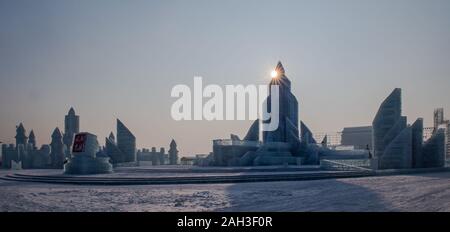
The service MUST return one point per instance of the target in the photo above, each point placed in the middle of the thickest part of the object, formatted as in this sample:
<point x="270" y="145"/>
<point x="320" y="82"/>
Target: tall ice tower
<point x="71" y="127"/>
<point x="126" y="142"/>
<point x="287" y="131"/>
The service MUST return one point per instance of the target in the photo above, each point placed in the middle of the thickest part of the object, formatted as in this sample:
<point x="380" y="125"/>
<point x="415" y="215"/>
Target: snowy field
<point x="419" y="192"/>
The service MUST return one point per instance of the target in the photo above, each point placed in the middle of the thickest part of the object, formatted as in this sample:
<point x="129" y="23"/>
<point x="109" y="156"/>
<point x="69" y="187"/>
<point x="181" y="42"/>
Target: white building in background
<point x="439" y="121"/>
<point x="358" y="137"/>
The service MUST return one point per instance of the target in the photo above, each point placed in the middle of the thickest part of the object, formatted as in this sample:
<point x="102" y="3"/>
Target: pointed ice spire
<point x="390" y="108"/>
<point x="31" y="136"/>
<point x="21" y="138"/>
<point x="123" y="130"/>
<point x="71" y="111"/>
<point x="20" y="128"/>
<point x="173" y="153"/>
<point x="173" y="143"/>
<point x="325" y="141"/>
<point x="280" y="69"/>
<point x="253" y="132"/>
<point x="112" y="137"/>
<point x="281" y="78"/>
<point x="234" y="137"/>
<point x="56" y="133"/>
<point x="305" y="133"/>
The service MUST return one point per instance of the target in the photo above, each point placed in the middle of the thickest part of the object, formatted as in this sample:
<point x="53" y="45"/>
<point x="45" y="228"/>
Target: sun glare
<point x="274" y="74"/>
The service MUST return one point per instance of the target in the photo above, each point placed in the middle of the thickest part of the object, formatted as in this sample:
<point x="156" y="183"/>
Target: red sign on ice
<point x="79" y="143"/>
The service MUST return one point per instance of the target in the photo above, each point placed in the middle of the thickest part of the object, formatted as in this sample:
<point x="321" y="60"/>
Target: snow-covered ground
<point x="419" y="192"/>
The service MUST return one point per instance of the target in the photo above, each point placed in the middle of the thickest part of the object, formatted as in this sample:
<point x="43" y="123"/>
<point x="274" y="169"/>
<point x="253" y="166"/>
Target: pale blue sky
<point x="121" y="58"/>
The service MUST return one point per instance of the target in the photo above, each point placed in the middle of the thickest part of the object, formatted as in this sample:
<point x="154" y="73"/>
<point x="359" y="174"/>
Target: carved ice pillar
<point x="434" y="150"/>
<point x="417" y="143"/>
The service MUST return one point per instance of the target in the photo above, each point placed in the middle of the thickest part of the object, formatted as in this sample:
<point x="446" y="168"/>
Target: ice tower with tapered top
<point x="280" y="146"/>
<point x="287" y="131"/>
<point x="71" y="127"/>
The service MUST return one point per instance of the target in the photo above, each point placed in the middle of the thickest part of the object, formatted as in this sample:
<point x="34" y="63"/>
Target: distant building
<point x="439" y="121"/>
<point x="25" y="152"/>
<point x="173" y="153"/>
<point x="153" y="156"/>
<point x="358" y="137"/>
<point x="438" y="118"/>
<point x="187" y="160"/>
<point x="204" y="159"/>
<point x="163" y="157"/>
<point x="159" y="157"/>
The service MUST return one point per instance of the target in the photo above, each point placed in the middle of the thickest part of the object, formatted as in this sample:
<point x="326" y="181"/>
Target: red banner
<point x="79" y="143"/>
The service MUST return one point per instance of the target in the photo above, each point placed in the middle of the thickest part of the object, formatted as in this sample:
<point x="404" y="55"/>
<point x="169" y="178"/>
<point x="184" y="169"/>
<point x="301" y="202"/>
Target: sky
<point x="120" y="59"/>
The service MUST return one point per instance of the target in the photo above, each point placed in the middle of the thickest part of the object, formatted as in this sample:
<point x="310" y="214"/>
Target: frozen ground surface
<point x="418" y="192"/>
<point x="130" y="173"/>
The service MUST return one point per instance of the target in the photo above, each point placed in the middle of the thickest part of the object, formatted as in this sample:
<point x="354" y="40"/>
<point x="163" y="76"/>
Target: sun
<point x="274" y="74"/>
